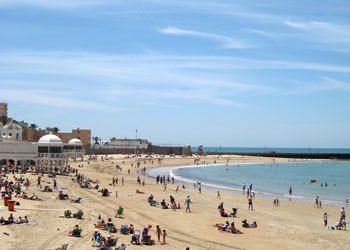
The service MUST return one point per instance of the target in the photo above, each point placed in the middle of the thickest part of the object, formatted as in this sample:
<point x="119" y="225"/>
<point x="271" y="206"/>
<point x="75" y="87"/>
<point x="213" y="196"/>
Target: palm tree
<point x="96" y="139"/>
<point x="33" y="126"/>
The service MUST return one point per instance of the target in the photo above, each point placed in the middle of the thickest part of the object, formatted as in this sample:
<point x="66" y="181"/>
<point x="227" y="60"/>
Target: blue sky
<point x="230" y="73"/>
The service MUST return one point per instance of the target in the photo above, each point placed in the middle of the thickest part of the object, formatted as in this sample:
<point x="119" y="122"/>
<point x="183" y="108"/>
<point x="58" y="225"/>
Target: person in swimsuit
<point x="250" y="203"/>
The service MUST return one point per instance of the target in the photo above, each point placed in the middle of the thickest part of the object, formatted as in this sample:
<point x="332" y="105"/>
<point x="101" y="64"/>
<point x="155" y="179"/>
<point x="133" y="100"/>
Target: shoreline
<point x="224" y="188"/>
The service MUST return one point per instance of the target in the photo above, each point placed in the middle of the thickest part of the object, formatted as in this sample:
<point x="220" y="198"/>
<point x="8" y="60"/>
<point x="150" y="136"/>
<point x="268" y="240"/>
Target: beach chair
<point x="120" y="212"/>
<point x="234" y="212"/>
<point x="76" y="200"/>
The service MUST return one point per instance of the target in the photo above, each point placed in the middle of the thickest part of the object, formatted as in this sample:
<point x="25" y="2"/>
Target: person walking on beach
<point x="159" y="232"/>
<point x="250" y="203"/>
<point x="243" y="188"/>
<point x="325" y="219"/>
<point x="187" y="203"/>
<point x="54" y="183"/>
<point x="218" y="196"/>
<point x="164" y="236"/>
<point x="177" y="188"/>
<point x="342" y="213"/>
<point x="316" y="201"/>
<point x="39" y="180"/>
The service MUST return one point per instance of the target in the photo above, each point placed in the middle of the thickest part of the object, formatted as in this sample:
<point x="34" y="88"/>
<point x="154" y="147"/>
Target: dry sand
<point x="292" y="225"/>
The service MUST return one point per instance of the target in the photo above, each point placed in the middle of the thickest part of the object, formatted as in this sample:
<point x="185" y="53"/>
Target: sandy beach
<point x="292" y="225"/>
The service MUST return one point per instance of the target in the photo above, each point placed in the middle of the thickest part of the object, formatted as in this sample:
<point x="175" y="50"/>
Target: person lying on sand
<point x="35" y="197"/>
<point x="222" y="227"/>
<point x="245" y="224"/>
<point x="139" y="192"/>
<point x="47" y="189"/>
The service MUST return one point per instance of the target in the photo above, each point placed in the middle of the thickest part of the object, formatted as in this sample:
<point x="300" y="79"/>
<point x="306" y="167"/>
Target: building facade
<point x="3" y="109"/>
<point x="84" y="135"/>
<point x="124" y="144"/>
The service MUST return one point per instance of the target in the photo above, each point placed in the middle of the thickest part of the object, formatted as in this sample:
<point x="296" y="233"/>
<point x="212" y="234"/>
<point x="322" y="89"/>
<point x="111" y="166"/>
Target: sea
<point x="271" y="180"/>
<point x="272" y="149"/>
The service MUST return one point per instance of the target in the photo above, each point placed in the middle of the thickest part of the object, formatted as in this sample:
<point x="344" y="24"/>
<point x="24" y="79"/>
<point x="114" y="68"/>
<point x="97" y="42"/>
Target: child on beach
<point x="325" y="219"/>
<point x="164" y="236"/>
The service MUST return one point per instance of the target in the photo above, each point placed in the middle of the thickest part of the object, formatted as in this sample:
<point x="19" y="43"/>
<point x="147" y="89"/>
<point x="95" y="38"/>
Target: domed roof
<point x="75" y="141"/>
<point x="12" y="126"/>
<point x="50" y="138"/>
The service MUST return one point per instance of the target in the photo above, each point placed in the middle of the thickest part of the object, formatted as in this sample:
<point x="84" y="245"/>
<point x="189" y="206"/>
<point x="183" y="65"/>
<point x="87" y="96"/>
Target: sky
<point x="230" y="73"/>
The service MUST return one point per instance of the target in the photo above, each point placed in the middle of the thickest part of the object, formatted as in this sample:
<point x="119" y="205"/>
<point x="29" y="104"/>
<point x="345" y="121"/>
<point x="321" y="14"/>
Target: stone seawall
<point x="151" y="149"/>
<point x="292" y="155"/>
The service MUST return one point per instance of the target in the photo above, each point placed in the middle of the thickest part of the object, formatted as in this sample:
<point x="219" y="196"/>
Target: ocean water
<point x="274" y="180"/>
<point x="267" y="149"/>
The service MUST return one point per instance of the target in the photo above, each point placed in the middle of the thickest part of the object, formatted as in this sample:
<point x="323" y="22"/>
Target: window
<point x="43" y="149"/>
<point x="55" y="150"/>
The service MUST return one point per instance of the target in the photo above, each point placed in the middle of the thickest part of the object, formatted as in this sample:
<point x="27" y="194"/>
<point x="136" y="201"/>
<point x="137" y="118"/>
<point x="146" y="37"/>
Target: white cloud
<point x="117" y="79"/>
<point x="322" y="31"/>
<point x="53" y="99"/>
<point x="53" y="3"/>
<point x="227" y="42"/>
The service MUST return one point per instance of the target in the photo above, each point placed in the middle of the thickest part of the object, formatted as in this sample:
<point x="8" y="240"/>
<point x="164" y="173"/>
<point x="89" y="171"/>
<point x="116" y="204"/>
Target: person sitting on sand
<point x="101" y="224"/>
<point x="77" y="231"/>
<point x="62" y="196"/>
<point x="110" y="242"/>
<point x="131" y="229"/>
<point x="222" y="227"/>
<point x="19" y="220"/>
<point x="25" y="196"/>
<point x="173" y="206"/>
<point x="26" y="219"/>
<point x="340" y="224"/>
<point x="233" y="229"/>
<point x="163" y="204"/>
<point x="105" y="192"/>
<point x="222" y="213"/>
<point x="145" y="231"/>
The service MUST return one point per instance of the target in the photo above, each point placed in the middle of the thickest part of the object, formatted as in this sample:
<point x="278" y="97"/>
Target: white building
<point x="126" y="144"/>
<point x="74" y="149"/>
<point x="14" y="152"/>
<point x="12" y="131"/>
<point x="50" y="153"/>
